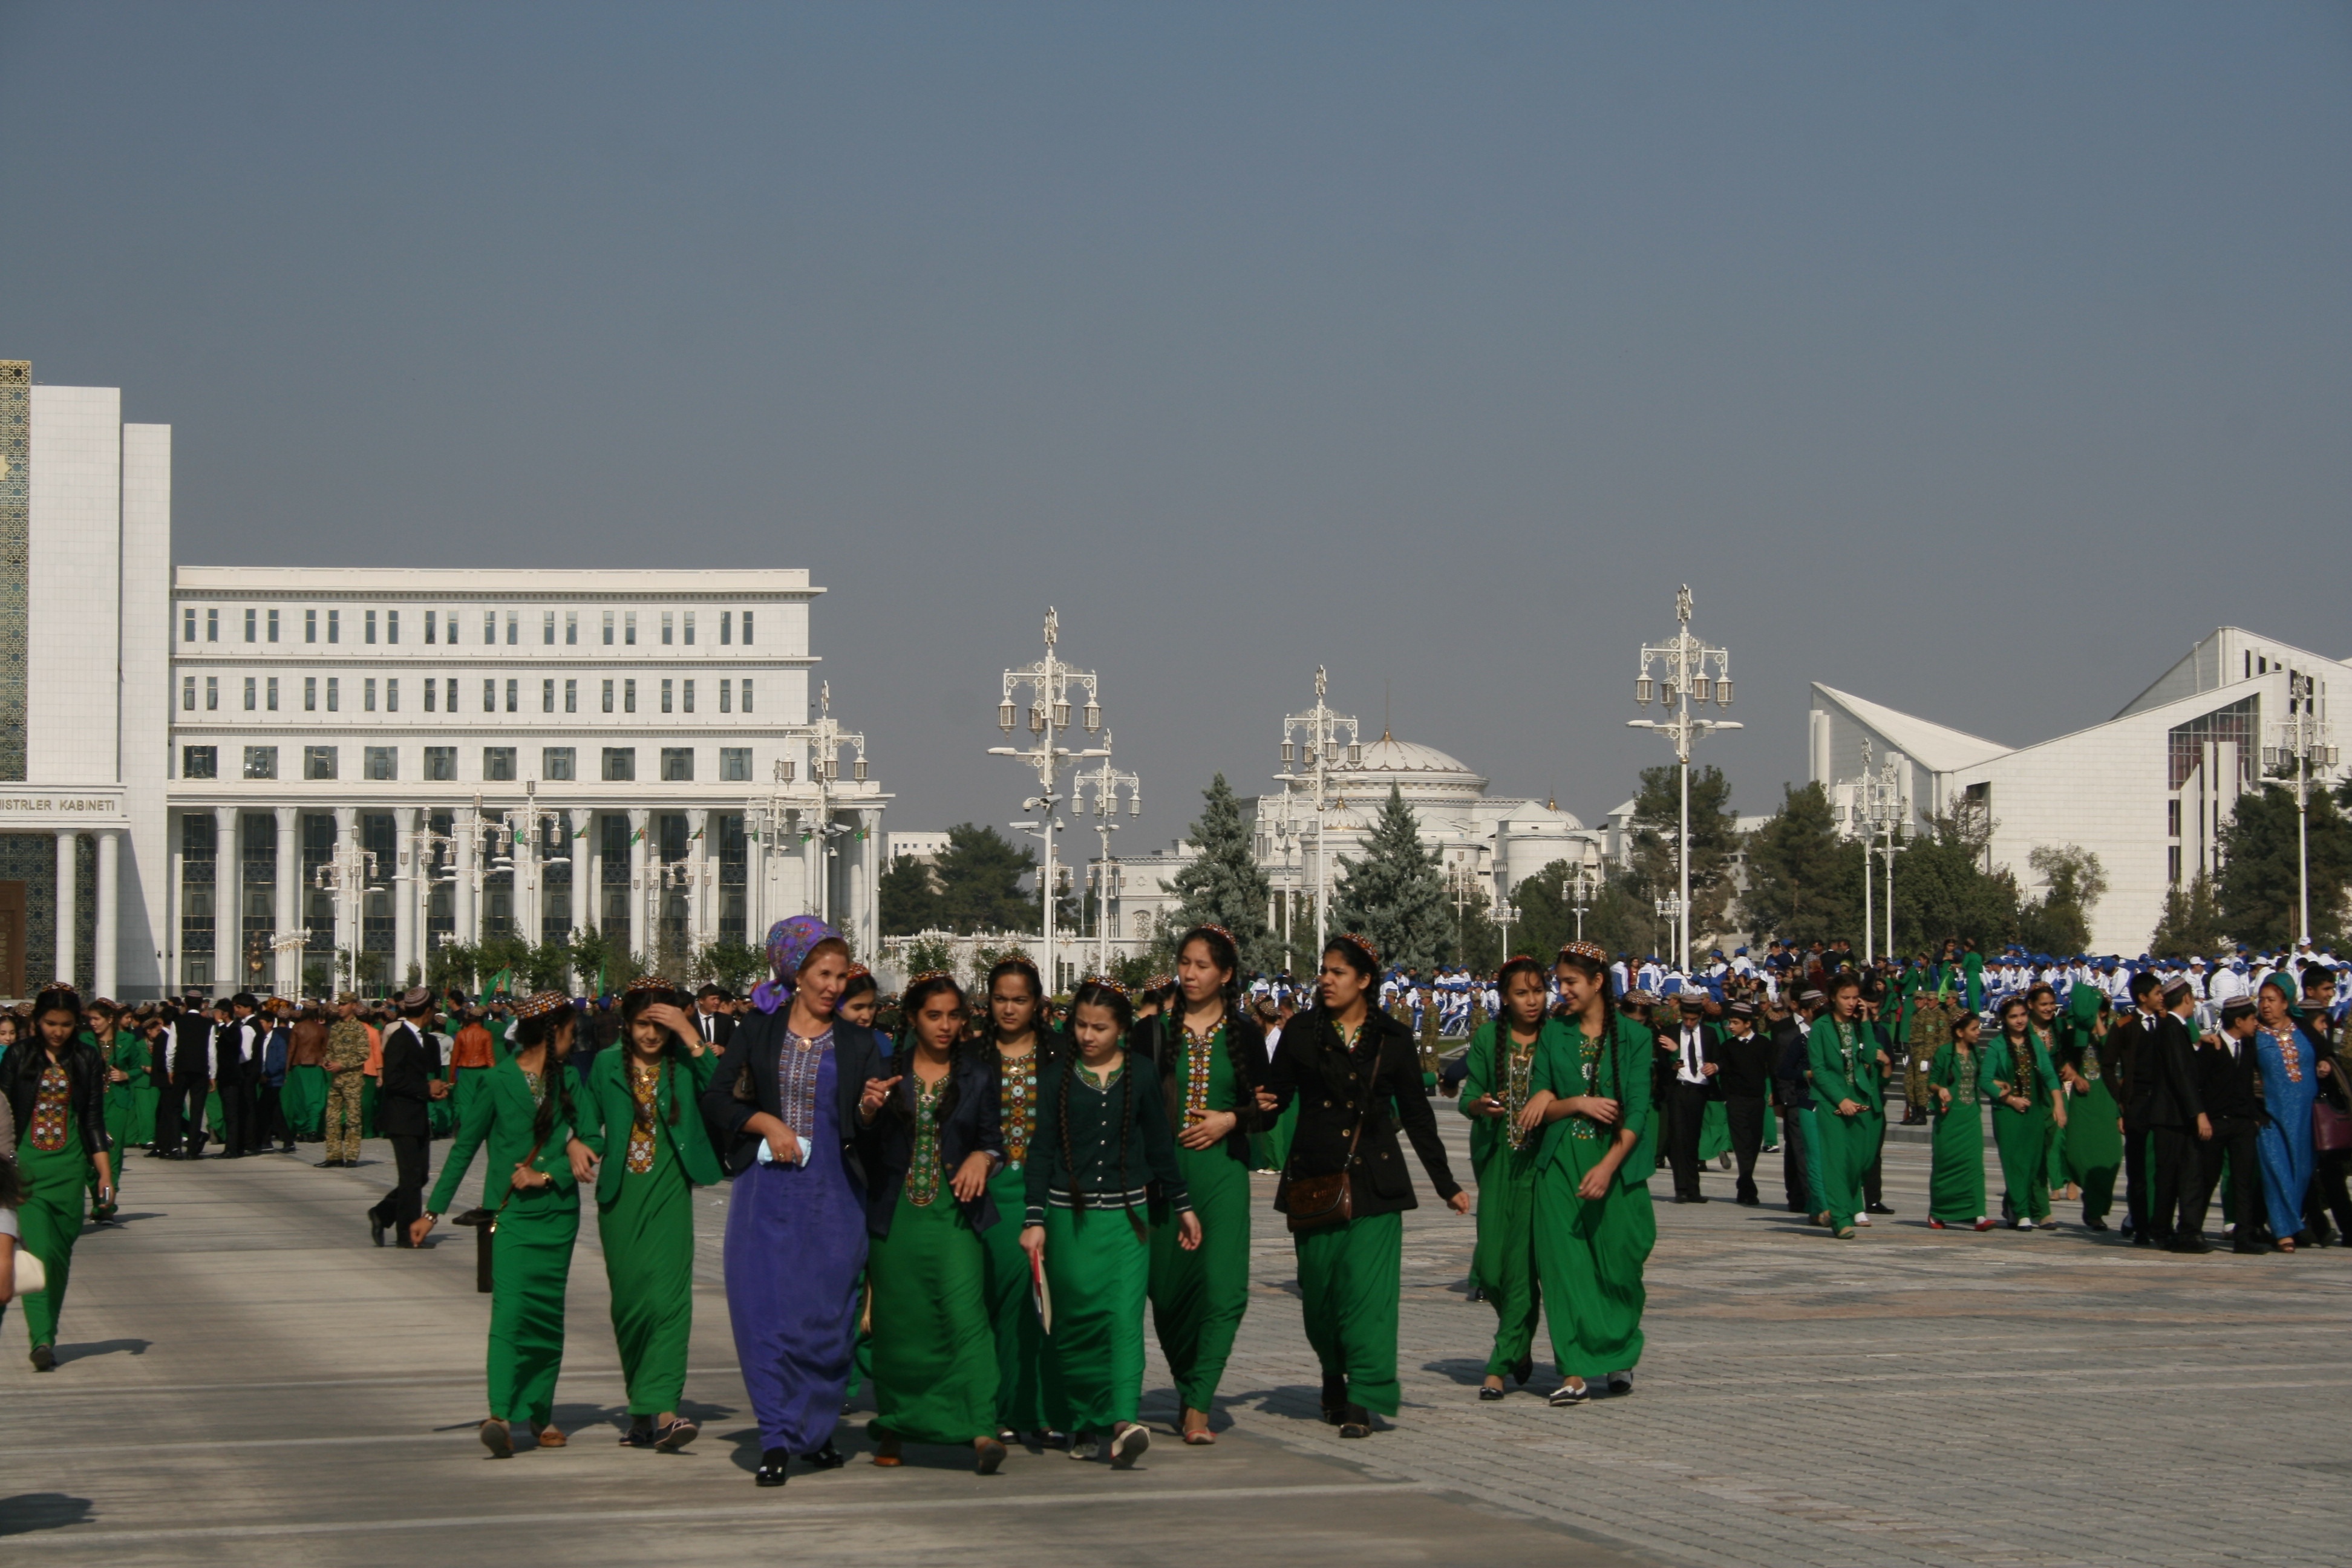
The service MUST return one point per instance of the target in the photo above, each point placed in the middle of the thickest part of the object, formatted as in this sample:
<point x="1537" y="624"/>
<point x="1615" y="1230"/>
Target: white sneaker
<point x="1862" y="1219"/>
<point x="2023" y="1223"/>
<point x="1085" y="1447"/>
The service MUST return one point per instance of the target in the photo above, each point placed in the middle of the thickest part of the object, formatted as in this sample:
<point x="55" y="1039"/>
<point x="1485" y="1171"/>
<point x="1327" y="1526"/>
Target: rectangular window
<point x="556" y="762"/>
<point x="727" y="697"/>
<point x="629" y="628"/>
<point x="747" y="629"/>
<point x="391" y="626"/>
<point x="252" y="694"/>
<point x="489" y="627"/>
<point x="334" y="694"/>
<point x="628" y="696"/>
<point x="431" y="630"/>
<point x="382" y="762"/>
<point x="200" y="761"/>
<point x="252" y="624"/>
<point x="547" y="634"/>
<point x="310" y="625"/>
<point x="188" y="623"/>
<point x="319" y="762"/>
<point x="747" y="694"/>
<point x="367" y="695"/>
<point x="273" y="694"/>
<point x="489" y="695"/>
<point x="391" y="696"/>
<point x="608" y="697"/>
<point x="2173" y="855"/>
<point x="690" y="628"/>
<point x="334" y="625"/>
<point x="369" y="636"/>
<point x="431" y="691"/>
<point x="310" y="694"/>
<point x="547" y="695"/>
<point x="497" y="765"/>
<point x="686" y="696"/>
<point x="571" y="628"/>
<point x="2172" y="818"/>
<point x="188" y="693"/>
<point x="273" y="626"/>
<point x="608" y="629"/>
<point x="734" y="763"/>
<point x="514" y="629"/>
<point x="212" y="626"/>
<point x="440" y="763"/>
<point x="677" y="765"/>
<point x="726" y="628"/>
<point x="212" y="693"/>
<point x="261" y="762"/>
<point x="666" y="620"/>
<point x="620" y="764"/>
<point x="513" y="687"/>
<point x="571" y="697"/>
<point x="450" y="702"/>
<point x="665" y="696"/>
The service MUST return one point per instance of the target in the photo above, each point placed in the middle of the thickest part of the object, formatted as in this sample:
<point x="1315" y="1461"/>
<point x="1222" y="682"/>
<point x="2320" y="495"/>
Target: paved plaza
<point x="244" y="1380"/>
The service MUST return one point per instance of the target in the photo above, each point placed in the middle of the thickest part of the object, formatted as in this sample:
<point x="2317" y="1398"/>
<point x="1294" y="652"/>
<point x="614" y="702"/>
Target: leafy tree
<point x="601" y="962"/>
<point x="980" y="875"/>
<point x="1394" y="896"/>
<point x="1222" y="885"/>
<point x="910" y="900"/>
<point x="1614" y="917"/>
<point x="2059" y="922"/>
<point x="2260" y="882"/>
<point x="1715" y="841"/>
<point x="1942" y="887"/>
<point x="1804" y="881"/>
<point x="736" y="965"/>
<point x="2192" y="923"/>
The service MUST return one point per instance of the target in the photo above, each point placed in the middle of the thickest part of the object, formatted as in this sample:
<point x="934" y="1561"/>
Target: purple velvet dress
<point x="795" y="1249"/>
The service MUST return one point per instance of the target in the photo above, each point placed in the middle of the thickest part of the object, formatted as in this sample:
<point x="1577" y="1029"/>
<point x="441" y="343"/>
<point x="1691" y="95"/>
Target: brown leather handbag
<point x="1316" y="1203"/>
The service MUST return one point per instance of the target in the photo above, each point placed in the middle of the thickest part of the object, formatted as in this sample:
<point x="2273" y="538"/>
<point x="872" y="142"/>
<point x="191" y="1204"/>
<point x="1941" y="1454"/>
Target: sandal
<point x="1490" y="1392"/>
<point x="1128" y="1444"/>
<point x="1568" y="1393"/>
<point x="886" y="1451"/>
<point x="987" y="1455"/>
<point x="676" y="1435"/>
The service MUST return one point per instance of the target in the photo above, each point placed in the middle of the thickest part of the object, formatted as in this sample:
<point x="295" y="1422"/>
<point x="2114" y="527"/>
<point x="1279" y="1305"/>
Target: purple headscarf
<point x="789" y="945"/>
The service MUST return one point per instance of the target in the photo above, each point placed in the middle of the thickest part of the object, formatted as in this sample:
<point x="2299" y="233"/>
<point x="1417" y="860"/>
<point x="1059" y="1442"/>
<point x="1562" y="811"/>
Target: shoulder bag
<point x="1318" y="1202"/>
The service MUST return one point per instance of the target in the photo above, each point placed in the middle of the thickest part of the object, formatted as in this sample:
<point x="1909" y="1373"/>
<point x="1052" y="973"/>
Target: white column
<point x="641" y="937"/>
<point x="861" y="889"/>
<point x="588" y="898"/>
<point x="173" y="897"/>
<point x="108" y="908"/>
<point x="286" y="969"/>
<point x="462" y="829"/>
<point x="68" y="915"/>
<point x="405" y="879"/>
<point x="524" y="878"/>
<point x="351" y="902"/>
<point x="703" y="894"/>
<point x="228" y="899"/>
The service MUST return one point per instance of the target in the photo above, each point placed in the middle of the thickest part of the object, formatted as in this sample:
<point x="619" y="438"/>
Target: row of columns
<point x="106" y="900"/>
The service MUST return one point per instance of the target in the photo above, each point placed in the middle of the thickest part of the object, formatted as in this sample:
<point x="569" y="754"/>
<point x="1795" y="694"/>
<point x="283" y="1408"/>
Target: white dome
<point x="1390" y="755"/>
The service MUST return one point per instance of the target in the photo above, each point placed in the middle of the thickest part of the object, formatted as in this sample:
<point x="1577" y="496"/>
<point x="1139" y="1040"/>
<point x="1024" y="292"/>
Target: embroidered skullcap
<point x="1360" y="946"/>
<point x="648" y="983"/>
<point x="540" y="1005"/>
<point x="1587" y="950"/>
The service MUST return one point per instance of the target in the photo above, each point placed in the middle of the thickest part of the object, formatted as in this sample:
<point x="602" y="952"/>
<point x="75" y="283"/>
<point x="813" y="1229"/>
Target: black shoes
<point x="1876" y="1208"/>
<point x="2091" y="1224"/>
<point x="376" y="1229"/>
<point x="1355" y="1421"/>
<point x="775" y="1467"/>
<point x="638" y="1436"/>
<point x="677" y="1435"/>
<point x="45" y="1358"/>
<point x="1489" y="1394"/>
<point x="825" y="1458"/>
<point x="326" y="1164"/>
<point x="2189" y="1244"/>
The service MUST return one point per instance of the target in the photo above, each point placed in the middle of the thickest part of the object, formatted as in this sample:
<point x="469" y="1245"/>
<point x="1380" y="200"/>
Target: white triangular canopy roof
<point x="1935" y="747"/>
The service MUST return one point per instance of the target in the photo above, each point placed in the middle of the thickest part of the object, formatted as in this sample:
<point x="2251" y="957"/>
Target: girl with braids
<point x="1104" y="1144"/>
<point x="55" y="1084"/>
<point x="1495" y="1087"/>
<point x="932" y="1151"/>
<point x="794" y="1089"/>
<point x="637" y="1113"/>
<point x="861" y="998"/>
<point x="1355" y="1073"/>
<point x="1210" y="1055"/>
<point x="2027" y="1097"/>
<point x="130" y="1093"/>
<point x="1017" y="1050"/>
<point x="1589" y="1098"/>
<point x="524" y="1113"/>
<point x="1956" y="1084"/>
<point x="1839" y="1052"/>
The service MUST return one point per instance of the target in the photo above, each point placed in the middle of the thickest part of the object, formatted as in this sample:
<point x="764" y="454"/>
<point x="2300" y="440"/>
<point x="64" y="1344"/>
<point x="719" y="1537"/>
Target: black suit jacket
<point x="716" y="1028"/>
<point x="191" y="1049"/>
<point x="403" y="1108"/>
<point x="2128" y="1066"/>
<point x="2228" y="1087"/>
<point x="744" y="1083"/>
<point x="1747" y="1065"/>
<point x="2168" y="1088"/>
<point x="1327" y="1080"/>
<point x="970" y="1122"/>
<point x="1710" y="1050"/>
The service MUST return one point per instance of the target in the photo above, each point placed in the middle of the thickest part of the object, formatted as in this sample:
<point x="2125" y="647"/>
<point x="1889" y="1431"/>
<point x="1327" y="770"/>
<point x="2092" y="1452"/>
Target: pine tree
<point x="1394" y="897"/>
<point x="1223" y="886"/>
<point x="2191" y="925"/>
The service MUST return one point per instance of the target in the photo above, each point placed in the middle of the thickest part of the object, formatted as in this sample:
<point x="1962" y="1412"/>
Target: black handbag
<point x="1316" y="1203"/>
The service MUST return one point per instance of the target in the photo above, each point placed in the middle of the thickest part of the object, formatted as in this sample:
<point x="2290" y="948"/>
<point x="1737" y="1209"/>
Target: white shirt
<point x="1692" y="1065"/>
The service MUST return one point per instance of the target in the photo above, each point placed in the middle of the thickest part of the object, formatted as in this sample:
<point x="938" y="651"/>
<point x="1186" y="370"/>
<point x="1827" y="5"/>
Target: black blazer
<point x="402" y="1102"/>
<point x="192" y="1048"/>
<point x="2229" y="1089"/>
<point x="722" y="1026"/>
<point x="1244" y="1043"/>
<point x="2165" y="1086"/>
<point x="2126" y="1063"/>
<point x="970" y="1122"/>
<point x="744" y="1083"/>
<point x="21" y="1068"/>
<point x="1747" y="1065"/>
<point x="1327" y="1080"/>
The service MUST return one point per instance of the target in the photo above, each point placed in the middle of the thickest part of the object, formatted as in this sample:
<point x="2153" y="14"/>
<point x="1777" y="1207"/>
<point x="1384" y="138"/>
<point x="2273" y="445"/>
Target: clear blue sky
<point x="1973" y="358"/>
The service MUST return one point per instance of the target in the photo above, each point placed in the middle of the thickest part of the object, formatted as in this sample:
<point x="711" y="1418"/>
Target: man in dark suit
<point x="2131" y="1049"/>
<point x="2176" y="1119"/>
<point x="1692" y="1090"/>
<point x="711" y="1016"/>
<point x="237" y="1040"/>
<point x="180" y="1118"/>
<point x="404" y="1115"/>
<point x="2226" y="1087"/>
<point x="1746" y="1079"/>
<point x="1792" y="1090"/>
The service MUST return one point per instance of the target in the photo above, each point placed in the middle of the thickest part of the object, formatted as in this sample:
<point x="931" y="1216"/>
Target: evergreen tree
<point x="1222" y="885"/>
<point x="980" y="875"/>
<point x="2059" y="922"/>
<point x="1394" y="897"/>
<point x="2191" y="924"/>
<point x="1942" y="887"/>
<point x="1804" y="881"/>
<point x="909" y="903"/>
<point x="2260" y="883"/>
<point x="1715" y="840"/>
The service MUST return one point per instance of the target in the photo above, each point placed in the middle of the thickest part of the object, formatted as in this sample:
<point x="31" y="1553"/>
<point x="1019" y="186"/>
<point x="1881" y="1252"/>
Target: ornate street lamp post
<point x="2303" y="740"/>
<point x="1106" y="782"/>
<point x="1047" y="685"/>
<point x="1310" y="747"/>
<point x="1696" y="675"/>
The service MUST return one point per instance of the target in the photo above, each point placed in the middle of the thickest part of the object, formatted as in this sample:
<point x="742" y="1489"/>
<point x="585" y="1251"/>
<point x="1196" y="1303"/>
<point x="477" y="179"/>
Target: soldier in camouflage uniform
<point x="347" y="1053"/>
<point x="1932" y="1014"/>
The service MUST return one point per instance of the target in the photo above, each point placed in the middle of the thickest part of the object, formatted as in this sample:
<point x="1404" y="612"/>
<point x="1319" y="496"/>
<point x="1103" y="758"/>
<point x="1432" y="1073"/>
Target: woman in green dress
<point x="1589" y="1098"/>
<point x="1209" y="1056"/>
<point x="1016" y="1049"/>
<point x="130" y="1092"/>
<point x="1955" y="1178"/>
<point x="56" y="1088"/>
<point x="1104" y="1147"/>
<point x="639" y="1116"/>
<point x="1497" y="1081"/>
<point x="929" y="1156"/>
<point x="537" y="1164"/>
<point x="2027" y="1098"/>
<point x="2094" y="1139"/>
<point x="2050" y="1034"/>
<point x="1839" y="1050"/>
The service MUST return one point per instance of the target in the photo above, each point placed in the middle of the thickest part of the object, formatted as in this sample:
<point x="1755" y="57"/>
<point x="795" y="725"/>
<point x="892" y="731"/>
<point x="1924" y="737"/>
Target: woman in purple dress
<point x="785" y="1104"/>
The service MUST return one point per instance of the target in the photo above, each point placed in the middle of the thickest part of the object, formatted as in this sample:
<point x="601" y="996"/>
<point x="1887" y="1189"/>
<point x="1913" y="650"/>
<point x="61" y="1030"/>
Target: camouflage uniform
<point x="1932" y="1016"/>
<point x="347" y="1049"/>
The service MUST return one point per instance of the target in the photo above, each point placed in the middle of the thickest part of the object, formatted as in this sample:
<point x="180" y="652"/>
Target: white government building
<point x="225" y="777"/>
<point x="2147" y="791"/>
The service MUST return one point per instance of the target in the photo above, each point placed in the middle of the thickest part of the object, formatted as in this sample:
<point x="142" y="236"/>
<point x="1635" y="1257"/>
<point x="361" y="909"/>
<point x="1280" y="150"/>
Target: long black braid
<point x="554" y="1089"/>
<point x="901" y="1103"/>
<point x="1171" y="1026"/>
<point x="1610" y="1036"/>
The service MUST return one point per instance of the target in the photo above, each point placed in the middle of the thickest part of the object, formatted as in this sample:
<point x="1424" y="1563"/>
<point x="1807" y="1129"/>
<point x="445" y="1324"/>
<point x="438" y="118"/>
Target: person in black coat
<point x="1747" y="1060"/>
<point x="404" y="1115"/>
<point x="711" y="1018"/>
<point x="180" y="1115"/>
<point x="2164" y="1091"/>
<point x="2229" y="1087"/>
<point x="1792" y="1090"/>
<point x="1356" y="1075"/>
<point x="1689" y="1081"/>
<point x="2131" y="1045"/>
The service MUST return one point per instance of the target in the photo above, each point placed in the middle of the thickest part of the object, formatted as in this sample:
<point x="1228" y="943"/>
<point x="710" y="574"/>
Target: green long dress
<point x="129" y="1105"/>
<point x="1956" y="1179"/>
<point x="646" y="1127"/>
<point x="1503" y="1266"/>
<point x="2054" y="1137"/>
<point x="934" y="1345"/>
<point x="1867" y="1145"/>
<point x="304" y="1102"/>
<point x="1589" y="1253"/>
<point x="2022" y="1136"/>
<point x="1836" y="1053"/>
<point x="530" y="1258"/>
<point x="1197" y="1297"/>
<point x="2094" y="1139"/>
<point x="1022" y="1366"/>
<point x="56" y="1167"/>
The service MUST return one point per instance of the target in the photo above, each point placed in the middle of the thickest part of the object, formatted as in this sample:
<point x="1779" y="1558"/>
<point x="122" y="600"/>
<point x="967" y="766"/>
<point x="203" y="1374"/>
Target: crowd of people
<point x="972" y="1203"/>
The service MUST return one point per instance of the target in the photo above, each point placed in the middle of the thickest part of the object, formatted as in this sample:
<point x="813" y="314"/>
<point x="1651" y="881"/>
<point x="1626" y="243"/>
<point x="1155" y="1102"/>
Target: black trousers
<point x="1746" y="1114"/>
<point x="1687" y="1112"/>
<point x="180" y="1116"/>
<point x="2136" y="1191"/>
<point x="1874" y="1171"/>
<point x="269" y="1120"/>
<point x="406" y="1203"/>
<point x="238" y="1109"/>
<point x="2328" y="1194"/>
<point x="2173" y="1150"/>
<point x="1793" y="1175"/>
<point x="2234" y="1142"/>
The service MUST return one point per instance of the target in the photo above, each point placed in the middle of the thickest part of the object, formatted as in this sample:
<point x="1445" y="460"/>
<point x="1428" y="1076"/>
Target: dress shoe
<point x="1877" y="1208"/>
<point x="328" y="1164"/>
<point x="2091" y="1224"/>
<point x="45" y="1358"/>
<point x="827" y="1459"/>
<point x="775" y="1467"/>
<point x="2189" y="1244"/>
